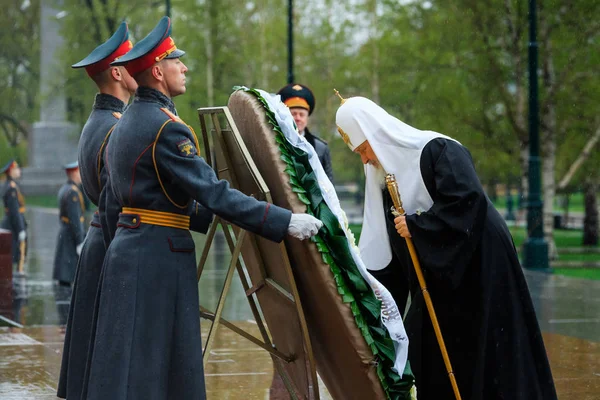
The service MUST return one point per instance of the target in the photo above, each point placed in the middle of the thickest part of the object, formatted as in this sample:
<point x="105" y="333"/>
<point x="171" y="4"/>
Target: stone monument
<point x="53" y="140"/>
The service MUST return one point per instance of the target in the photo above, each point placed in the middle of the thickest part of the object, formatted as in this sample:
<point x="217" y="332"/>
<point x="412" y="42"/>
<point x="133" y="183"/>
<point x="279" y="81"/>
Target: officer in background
<point x="70" y="240"/>
<point x="147" y="337"/>
<point x="115" y="87"/>
<point x="14" y="221"/>
<point x="301" y="102"/>
<point x="14" y="214"/>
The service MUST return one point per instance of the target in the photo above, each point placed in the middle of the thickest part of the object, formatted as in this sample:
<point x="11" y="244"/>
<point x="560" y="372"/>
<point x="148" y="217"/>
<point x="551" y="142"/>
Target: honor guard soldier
<point x="70" y="240"/>
<point x="14" y="221"/>
<point x="147" y="341"/>
<point x="301" y="102"/>
<point x="14" y="214"/>
<point x="115" y="87"/>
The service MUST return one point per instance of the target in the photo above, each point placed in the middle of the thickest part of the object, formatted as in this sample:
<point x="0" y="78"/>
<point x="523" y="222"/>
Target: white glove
<point x="78" y="248"/>
<point x="303" y="226"/>
<point x="22" y="236"/>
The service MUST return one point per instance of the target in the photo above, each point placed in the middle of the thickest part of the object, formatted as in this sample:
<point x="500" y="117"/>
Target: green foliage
<point x="19" y="75"/>
<point x="101" y="18"/>
<point x="8" y="151"/>
<point x="457" y="67"/>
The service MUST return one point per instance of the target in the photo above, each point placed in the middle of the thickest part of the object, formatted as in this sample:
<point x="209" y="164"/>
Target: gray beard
<point x="380" y="176"/>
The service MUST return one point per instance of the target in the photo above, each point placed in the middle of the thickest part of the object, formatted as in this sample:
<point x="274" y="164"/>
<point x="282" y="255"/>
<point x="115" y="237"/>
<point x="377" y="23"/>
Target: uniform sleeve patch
<point x="186" y="148"/>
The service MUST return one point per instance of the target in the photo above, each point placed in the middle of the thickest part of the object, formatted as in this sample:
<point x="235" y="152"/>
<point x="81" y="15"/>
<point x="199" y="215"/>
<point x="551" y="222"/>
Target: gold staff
<point x="397" y="210"/>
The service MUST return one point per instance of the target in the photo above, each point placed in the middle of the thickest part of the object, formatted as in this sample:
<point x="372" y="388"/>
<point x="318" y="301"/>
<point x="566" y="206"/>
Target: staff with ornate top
<point x="465" y="253"/>
<point x="398" y="211"/>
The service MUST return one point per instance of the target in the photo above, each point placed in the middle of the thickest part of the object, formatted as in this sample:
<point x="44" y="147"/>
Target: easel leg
<point x="224" y="292"/>
<point x="277" y="362"/>
<point x="209" y="239"/>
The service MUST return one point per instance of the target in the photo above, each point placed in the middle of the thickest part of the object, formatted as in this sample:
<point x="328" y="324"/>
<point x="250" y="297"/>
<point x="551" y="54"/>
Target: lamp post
<point x="290" y="74"/>
<point x="535" y="251"/>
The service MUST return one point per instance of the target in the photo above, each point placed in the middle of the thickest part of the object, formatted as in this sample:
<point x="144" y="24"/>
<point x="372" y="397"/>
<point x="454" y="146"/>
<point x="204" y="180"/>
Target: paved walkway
<point x="568" y="311"/>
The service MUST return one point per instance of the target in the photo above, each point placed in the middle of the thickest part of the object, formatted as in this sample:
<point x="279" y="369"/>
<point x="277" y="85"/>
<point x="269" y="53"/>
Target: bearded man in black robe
<point x="469" y="261"/>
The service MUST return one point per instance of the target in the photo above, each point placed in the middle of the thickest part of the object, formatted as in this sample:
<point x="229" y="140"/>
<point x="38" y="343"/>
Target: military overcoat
<point x="71" y="232"/>
<point x="14" y="215"/>
<point x="322" y="149"/>
<point x="95" y="134"/>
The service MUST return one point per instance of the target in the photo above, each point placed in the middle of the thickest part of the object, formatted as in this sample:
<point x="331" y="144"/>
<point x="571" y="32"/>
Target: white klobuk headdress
<point x="398" y="148"/>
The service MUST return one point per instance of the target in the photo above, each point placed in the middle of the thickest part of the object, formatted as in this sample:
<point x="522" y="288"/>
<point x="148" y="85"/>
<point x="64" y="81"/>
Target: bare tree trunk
<point x="548" y="136"/>
<point x="524" y="182"/>
<point x="264" y="66"/>
<point x="590" y="221"/>
<point x="375" y="47"/>
<point x="584" y="155"/>
<point x="210" y="82"/>
<point x="549" y="190"/>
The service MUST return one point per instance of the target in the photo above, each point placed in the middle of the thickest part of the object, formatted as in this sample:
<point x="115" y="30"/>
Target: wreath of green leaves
<point x="332" y="244"/>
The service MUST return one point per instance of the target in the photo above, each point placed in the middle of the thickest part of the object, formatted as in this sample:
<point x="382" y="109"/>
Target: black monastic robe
<point x="477" y="287"/>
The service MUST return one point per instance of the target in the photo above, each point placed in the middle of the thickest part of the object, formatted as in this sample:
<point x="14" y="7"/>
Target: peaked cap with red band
<point x="71" y="166"/>
<point x="297" y="95"/>
<point x="155" y="47"/>
<point x="100" y="58"/>
<point x="8" y="166"/>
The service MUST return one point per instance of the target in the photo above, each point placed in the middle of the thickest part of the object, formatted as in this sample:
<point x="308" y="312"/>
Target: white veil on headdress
<point x="398" y="147"/>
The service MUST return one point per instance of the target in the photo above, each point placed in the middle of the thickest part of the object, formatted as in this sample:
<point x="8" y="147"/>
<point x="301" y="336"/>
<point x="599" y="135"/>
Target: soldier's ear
<point x="116" y="74"/>
<point x="157" y="72"/>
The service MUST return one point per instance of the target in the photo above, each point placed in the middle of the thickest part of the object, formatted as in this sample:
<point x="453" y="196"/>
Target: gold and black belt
<point x="160" y="218"/>
<point x="21" y="210"/>
<point x="66" y="220"/>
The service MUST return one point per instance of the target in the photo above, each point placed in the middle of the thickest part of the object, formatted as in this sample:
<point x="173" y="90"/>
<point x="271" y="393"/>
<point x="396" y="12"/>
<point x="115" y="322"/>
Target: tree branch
<point x="584" y="155"/>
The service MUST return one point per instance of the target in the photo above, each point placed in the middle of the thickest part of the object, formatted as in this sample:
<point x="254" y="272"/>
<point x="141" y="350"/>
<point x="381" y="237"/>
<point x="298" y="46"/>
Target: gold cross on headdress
<point x="343" y="100"/>
<point x="343" y="134"/>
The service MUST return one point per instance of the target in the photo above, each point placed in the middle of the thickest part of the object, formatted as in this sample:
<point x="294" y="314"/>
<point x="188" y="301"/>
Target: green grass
<point x="42" y="201"/>
<point x="576" y="202"/>
<point x="37" y="201"/>
<point x="585" y="273"/>
<point x="578" y="257"/>
<point x="563" y="238"/>
<point x="566" y="238"/>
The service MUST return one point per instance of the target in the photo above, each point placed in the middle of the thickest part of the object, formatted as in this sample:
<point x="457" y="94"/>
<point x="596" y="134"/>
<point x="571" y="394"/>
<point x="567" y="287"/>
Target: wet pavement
<point x="568" y="310"/>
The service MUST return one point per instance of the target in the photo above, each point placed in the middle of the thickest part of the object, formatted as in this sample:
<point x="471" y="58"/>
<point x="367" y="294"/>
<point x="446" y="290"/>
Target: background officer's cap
<point x="296" y="95"/>
<point x="155" y="47"/>
<point x="7" y="167"/>
<point x="100" y="58"/>
<point x="71" y="166"/>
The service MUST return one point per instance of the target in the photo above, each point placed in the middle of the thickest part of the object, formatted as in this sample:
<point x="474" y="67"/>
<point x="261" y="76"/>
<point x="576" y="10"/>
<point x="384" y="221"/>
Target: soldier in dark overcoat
<point x="115" y="87"/>
<point x="71" y="235"/>
<point x="14" y="213"/>
<point x="301" y="102"/>
<point x="147" y="340"/>
<point x="14" y="221"/>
